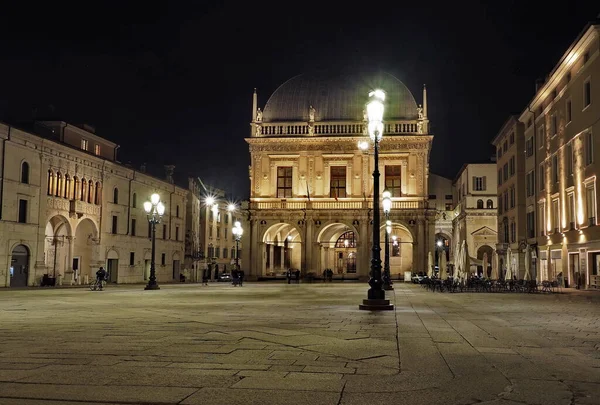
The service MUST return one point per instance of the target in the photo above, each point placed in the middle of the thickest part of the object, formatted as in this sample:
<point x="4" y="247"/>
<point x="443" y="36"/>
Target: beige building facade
<point x="441" y="199"/>
<point x="311" y="191"/>
<point x="68" y="207"/>
<point x="475" y="214"/>
<point x="515" y="184"/>
<point x="562" y="123"/>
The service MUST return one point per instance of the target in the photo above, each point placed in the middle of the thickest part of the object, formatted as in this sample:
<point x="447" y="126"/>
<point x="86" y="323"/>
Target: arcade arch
<point x="401" y="248"/>
<point x="85" y="249"/>
<point x="338" y="248"/>
<point x="56" y="245"/>
<point x="282" y="246"/>
<point x="484" y="253"/>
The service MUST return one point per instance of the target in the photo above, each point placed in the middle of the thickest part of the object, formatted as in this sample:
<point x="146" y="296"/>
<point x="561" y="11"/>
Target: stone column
<point x="364" y="249"/>
<point x="69" y="272"/>
<point x="271" y="256"/>
<point x="311" y="245"/>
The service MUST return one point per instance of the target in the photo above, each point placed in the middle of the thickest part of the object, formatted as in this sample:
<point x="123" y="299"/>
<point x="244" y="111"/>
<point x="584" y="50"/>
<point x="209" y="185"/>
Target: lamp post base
<point x="376" y="305"/>
<point x="153" y="286"/>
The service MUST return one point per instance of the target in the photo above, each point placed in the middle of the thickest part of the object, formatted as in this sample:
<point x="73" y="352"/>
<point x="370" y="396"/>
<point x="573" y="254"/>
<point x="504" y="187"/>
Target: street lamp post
<point x="387" y="206"/>
<point x="376" y="294"/>
<point x="154" y="211"/>
<point x="237" y="233"/>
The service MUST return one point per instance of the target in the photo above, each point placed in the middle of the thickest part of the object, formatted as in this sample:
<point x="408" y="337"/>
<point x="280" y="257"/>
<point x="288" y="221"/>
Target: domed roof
<point x="338" y="97"/>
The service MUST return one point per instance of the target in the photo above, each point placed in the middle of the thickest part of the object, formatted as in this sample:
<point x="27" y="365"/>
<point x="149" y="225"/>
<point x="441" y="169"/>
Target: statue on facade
<point x="311" y="130"/>
<point x="365" y="116"/>
<point x="259" y="115"/>
<point x="420" y="112"/>
<point x="420" y="127"/>
<point x="311" y="113"/>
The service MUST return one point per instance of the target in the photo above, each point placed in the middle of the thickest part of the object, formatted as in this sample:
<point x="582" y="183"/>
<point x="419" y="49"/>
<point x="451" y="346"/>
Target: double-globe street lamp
<point x="237" y="233"/>
<point x="376" y="294"/>
<point x="155" y="209"/>
<point x="387" y="206"/>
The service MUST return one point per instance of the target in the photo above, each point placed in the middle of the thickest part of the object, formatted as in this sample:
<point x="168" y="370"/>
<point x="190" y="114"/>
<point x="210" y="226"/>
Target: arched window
<point x="346" y="240"/>
<point x="90" y="198"/>
<point x="67" y="186"/>
<point x="479" y="204"/>
<point x="57" y="189"/>
<point x="134" y="200"/>
<point x="177" y="210"/>
<point x="76" y="192"/>
<point x="116" y="195"/>
<point x="489" y="204"/>
<point x="50" y="182"/>
<point x="83" y="189"/>
<point x="98" y="193"/>
<point x="25" y="173"/>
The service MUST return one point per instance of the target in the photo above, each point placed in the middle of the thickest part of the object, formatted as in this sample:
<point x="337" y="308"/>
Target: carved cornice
<point x="336" y="144"/>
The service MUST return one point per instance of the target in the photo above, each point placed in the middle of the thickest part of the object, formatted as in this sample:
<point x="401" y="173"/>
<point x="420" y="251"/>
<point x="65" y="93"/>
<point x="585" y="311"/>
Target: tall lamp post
<point x="154" y="211"/>
<point x="387" y="206"/>
<point x="237" y="233"/>
<point x="376" y="294"/>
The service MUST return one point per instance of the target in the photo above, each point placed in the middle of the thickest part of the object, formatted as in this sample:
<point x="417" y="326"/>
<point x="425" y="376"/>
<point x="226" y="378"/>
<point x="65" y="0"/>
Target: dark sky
<point x="173" y="84"/>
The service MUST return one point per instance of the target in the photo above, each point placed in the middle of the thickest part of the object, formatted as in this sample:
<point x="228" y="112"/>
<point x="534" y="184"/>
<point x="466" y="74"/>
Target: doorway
<point x="19" y="263"/>
<point x="112" y="266"/>
<point x="574" y="270"/>
<point x="76" y="269"/>
<point x="176" y="270"/>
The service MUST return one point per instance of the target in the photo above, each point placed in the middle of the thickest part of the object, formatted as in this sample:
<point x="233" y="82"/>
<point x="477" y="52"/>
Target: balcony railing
<point x="333" y="128"/>
<point x="319" y="204"/>
<point x="81" y="207"/>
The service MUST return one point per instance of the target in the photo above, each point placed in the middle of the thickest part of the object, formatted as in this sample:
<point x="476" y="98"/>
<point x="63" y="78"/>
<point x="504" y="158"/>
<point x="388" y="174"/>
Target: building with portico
<point x="311" y="196"/>
<point x="68" y="207"/>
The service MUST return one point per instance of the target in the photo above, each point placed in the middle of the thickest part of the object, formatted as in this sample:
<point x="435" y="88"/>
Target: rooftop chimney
<point x="169" y="170"/>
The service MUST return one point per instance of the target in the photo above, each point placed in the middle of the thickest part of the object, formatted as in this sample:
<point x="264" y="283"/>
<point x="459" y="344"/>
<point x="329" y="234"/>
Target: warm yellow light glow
<point x="363" y="145"/>
<point x="231" y="207"/>
<point x="290" y="237"/>
<point x="387" y="201"/>
<point x="375" y="114"/>
<point x="237" y="224"/>
<point x="439" y="243"/>
<point x="160" y="208"/>
<point x="572" y="58"/>
<point x="209" y="201"/>
<point x="154" y="199"/>
<point x="380" y="94"/>
<point x="148" y="207"/>
<point x="215" y="208"/>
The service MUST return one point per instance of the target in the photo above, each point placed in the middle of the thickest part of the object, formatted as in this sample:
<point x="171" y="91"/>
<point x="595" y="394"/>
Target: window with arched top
<point x="116" y="195"/>
<point x="50" y="182"/>
<point x="346" y="240"/>
<point x="479" y="204"/>
<point x="134" y="200"/>
<point x="98" y="193"/>
<point x="76" y="192"/>
<point x="67" y="186"/>
<point x="489" y="204"/>
<point x="83" y="189"/>
<point x="90" y="198"/>
<point x="25" y="173"/>
<point x="57" y="189"/>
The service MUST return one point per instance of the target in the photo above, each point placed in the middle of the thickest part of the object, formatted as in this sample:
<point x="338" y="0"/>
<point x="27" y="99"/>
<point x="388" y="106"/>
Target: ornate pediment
<point x="484" y="231"/>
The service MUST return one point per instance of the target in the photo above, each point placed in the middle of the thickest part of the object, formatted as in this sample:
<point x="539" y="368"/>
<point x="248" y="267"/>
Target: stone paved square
<point x="270" y="343"/>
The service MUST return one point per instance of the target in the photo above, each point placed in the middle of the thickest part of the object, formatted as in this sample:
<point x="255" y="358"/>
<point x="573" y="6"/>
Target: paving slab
<point x="271" y="343"/>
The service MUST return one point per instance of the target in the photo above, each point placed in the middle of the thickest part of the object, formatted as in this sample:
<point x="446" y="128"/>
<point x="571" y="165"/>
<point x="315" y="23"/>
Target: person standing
<point x="101" y="277"/>
<point x="241" y="275"/>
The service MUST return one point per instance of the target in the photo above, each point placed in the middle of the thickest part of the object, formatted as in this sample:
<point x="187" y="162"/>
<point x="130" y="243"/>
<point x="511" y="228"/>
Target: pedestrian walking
<point x="241" y="275"/>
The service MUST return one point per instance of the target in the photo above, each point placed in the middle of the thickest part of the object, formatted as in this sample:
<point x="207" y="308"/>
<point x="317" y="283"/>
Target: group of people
<point x="237" y="277"/>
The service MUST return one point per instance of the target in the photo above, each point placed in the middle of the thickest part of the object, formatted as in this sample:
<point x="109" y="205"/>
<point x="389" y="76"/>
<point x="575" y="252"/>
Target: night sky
<point x="174" y="85"/>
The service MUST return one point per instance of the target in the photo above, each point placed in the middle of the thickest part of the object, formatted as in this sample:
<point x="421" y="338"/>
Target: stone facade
<point x="475" y="214"/>
<point x="562" y="123"/>
<point x="68" y="208"/>
<point x="441" y="199"/>
<point x="514" y="186"/>
<point x="311" y="186"/>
